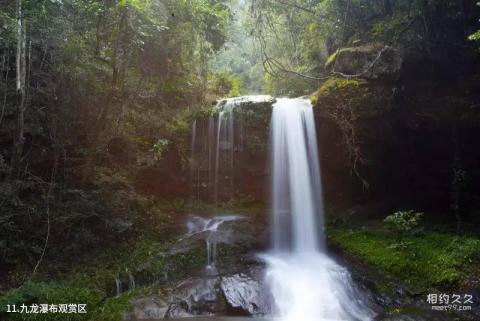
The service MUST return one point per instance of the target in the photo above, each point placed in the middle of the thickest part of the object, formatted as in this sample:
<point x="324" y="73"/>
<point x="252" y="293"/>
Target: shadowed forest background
<point x="97" y="100"/>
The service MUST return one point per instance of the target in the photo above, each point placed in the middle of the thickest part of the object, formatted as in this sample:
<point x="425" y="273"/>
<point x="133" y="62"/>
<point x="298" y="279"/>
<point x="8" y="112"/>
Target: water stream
<point x="209" y="228"/>
<point x="305" y="283"/>
<point x="214" y="142"/>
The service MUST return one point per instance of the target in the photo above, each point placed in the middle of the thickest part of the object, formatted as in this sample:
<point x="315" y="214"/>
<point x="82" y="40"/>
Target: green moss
<point x="358" y="95"/>
<point x="331" y="59"/>
<point x="97" y="307"/>
<point x="335" y="83"/>
<point x="255" y="119"/>
<point x="49" y="293"/>
<point x="351" y="50"/>
<point x="242" y="204"/>
<point x="344" y="83"/>
<point x="185" y="263"/>
<point x="327" y="86"/>
<point x="428" y="261"/>
<point x="114" y="308"/>
<point x="88" y="283"/>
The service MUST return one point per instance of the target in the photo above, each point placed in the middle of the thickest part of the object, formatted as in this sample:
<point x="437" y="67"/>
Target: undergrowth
<point x="430" y="260"/>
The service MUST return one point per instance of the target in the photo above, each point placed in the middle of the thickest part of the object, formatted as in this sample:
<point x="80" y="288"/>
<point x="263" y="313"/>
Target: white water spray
<point x="306" y="284"/>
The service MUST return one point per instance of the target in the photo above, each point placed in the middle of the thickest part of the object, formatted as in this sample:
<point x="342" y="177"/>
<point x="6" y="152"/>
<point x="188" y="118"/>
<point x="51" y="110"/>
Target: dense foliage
<point x="296" y="38"/>
<point x="97" y="98"/>
<point x="402" y="223"/>
<point x="102" y="78"/>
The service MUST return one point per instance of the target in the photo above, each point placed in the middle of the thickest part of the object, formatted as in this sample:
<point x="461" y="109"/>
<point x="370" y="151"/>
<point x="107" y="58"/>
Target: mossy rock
<point x="372" y="61"/>
<point x="358" y="95"/>
<point x="255" y="119"/>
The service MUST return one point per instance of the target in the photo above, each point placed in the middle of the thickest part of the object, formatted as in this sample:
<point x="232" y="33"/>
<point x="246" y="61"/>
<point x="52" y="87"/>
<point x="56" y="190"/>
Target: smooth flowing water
<point x="214" y="142"/>
<point x="305" y="283"/>
<point x="227" y="136"/>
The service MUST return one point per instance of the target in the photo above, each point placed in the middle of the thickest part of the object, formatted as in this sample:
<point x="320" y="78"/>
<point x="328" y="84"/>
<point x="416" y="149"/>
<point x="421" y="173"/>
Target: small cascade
<point x="305" y="283"/>
<point x="209" y="229"/>
<point x="211" y="255"/>
<point x="118" y="287"/>
<point x="131" y="282"/>
<point x="126" y="282"/>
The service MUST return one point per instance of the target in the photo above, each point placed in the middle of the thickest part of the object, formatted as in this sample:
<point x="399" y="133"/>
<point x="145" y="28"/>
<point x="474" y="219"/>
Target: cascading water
<point x="214" y="142"/>
<point x="194" y="168"/>
<point x="209" y="227"/>
<point x="118" y="287"/>
<point x="220" y="145"/>
<point x="305" y="283"/>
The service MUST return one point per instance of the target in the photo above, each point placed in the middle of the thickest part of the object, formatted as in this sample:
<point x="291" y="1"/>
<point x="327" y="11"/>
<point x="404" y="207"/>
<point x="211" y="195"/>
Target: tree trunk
<point x="19" y="139"/>
<point x="100" y="122"/>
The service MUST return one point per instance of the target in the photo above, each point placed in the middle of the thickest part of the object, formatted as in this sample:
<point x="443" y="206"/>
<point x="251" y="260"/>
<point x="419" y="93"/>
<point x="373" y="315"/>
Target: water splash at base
<point x="312" y="287"/>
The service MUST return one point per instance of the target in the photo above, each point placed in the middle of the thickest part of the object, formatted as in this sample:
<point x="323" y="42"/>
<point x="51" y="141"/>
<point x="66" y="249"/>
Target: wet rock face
<point x="242" y="291"/>
<point x="147" y="308"/>
<point x="230" y="283"/>
<point x="237" y="294"/>
<point x="230" y="237"/>
<point x="197" y="296"/>
<point x="178" y="310"/>
<point x="372" y="61"/>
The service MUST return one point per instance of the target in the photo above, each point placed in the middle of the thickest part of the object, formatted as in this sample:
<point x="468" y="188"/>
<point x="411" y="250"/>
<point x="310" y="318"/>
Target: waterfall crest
<point x="305" y="283"/>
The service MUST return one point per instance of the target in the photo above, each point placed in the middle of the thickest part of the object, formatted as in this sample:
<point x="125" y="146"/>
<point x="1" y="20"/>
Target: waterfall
<point x="214" y="142"/>
<point x="297" y="202"/>
<point x="305" y="283"/>
<point x="217" y="156"/>
<point x="225" y="146"/>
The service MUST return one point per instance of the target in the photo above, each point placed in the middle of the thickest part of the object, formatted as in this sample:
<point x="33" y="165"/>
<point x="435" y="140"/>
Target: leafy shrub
<point x="223" y="84"/>
<point x="402" y="223"/>
<point x="159" y="147"/>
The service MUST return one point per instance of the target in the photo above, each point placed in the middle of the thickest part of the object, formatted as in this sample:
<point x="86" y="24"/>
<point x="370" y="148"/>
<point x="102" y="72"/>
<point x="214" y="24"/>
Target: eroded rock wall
<point x="406" y="138"/>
